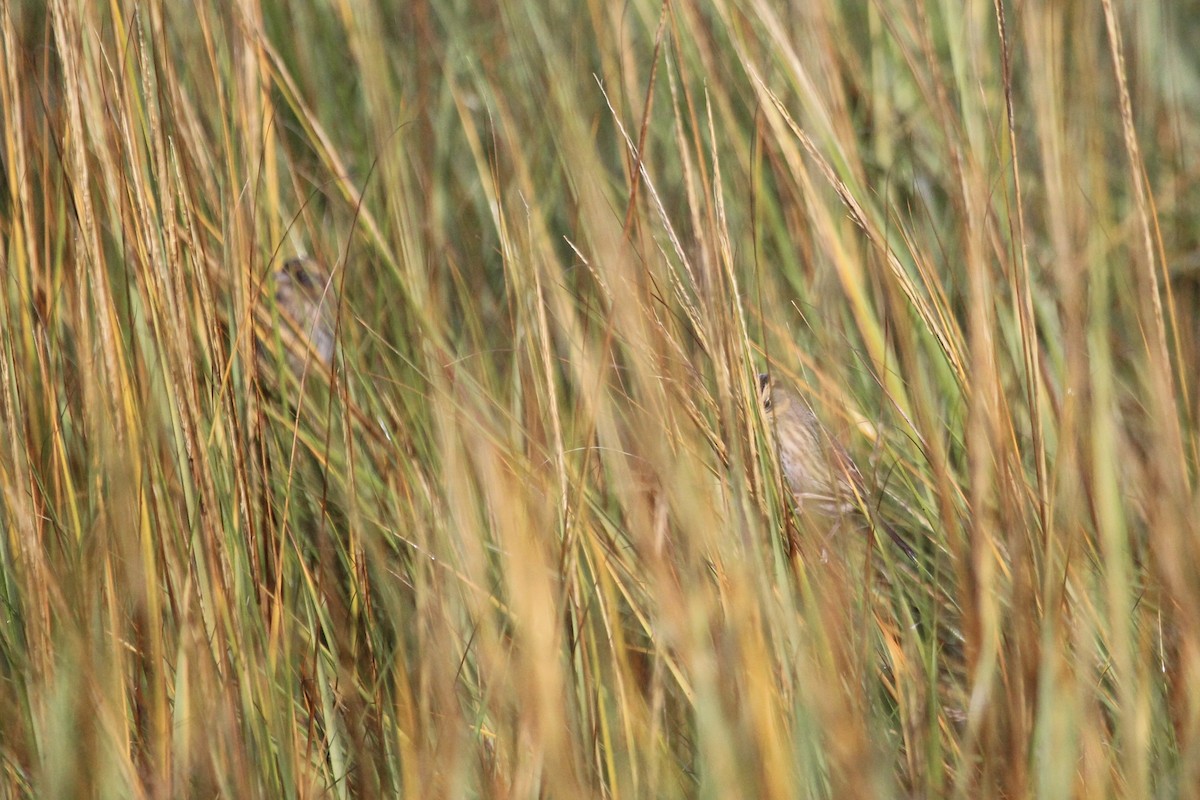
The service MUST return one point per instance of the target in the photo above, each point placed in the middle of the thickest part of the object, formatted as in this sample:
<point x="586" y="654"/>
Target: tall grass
<point x="530" y="539"/>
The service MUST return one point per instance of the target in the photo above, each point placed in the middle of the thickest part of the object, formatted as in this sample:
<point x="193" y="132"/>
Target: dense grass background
<point x="529" y="540"/>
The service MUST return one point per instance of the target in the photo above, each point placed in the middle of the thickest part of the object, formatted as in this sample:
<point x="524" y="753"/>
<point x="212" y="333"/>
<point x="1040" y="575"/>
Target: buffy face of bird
<point x="817" y="468"/>
<point x="306" y="300"/>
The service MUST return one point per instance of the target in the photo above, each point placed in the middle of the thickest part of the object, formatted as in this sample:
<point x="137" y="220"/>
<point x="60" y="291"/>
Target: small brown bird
<point x="821" y="474"/>
<point x="306" y="300"/>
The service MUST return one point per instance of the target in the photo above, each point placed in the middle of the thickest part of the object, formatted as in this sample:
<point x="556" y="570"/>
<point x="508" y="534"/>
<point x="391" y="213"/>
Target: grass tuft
<point x="528" y="537"/>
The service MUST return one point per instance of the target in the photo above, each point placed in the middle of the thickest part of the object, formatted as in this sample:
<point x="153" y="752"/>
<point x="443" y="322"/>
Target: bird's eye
<point x="764" y="391"/>
<point x="297" y="271"/>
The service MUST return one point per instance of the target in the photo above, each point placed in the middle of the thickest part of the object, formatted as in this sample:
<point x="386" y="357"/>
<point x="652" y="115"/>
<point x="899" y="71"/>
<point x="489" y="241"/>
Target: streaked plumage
<point x="306" y="302"/>
<point x="821" y="474"/>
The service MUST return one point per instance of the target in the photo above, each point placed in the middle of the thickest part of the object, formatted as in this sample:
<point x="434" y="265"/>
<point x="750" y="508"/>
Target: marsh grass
<point x="528" y="538"/>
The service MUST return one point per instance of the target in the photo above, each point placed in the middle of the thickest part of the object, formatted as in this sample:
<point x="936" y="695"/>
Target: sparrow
<point x="822" y="476"/>
<point x="306" y="301"/>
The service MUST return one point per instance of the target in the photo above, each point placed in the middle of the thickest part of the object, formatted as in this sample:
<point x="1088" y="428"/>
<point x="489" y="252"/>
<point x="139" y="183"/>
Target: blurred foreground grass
<point x="530" y="541"/>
